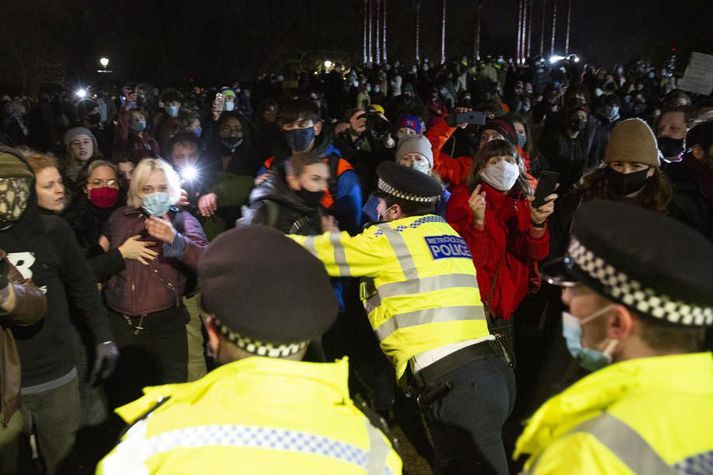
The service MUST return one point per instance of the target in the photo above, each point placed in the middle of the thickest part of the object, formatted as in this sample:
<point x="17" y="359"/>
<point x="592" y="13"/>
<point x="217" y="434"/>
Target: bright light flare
<point x="189" y="173"/>
<point x="556" y="59"/>
<point x="81" y="93"/>
<point x="104" y="62"/>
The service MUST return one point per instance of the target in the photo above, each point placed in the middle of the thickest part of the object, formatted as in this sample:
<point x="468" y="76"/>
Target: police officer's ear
<point x="318" y="127"/>
<point x="622" y="324"/>
<point x="213" y="335"/>
<point x="397" y="212"/>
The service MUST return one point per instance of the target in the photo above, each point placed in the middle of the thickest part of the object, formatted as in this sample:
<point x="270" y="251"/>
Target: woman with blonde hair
<point x="145" y="299"/>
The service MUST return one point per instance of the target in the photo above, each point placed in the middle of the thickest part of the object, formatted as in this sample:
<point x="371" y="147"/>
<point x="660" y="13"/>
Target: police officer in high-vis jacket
<point x="639" y="287"/>
<point x="264" y="411"/>
<point x="423" y="303"/>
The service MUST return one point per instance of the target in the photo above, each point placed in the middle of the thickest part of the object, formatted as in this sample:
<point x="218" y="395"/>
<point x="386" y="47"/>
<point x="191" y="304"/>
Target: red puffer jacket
<point x="506" y="233"/>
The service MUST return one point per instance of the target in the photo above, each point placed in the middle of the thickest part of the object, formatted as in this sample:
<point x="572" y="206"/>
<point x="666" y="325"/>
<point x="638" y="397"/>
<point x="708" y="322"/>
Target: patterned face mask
<point x="14" y="193"/>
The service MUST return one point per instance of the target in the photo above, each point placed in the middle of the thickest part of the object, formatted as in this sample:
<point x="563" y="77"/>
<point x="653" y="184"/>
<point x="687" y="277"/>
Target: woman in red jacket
<point x="506" y="236"/>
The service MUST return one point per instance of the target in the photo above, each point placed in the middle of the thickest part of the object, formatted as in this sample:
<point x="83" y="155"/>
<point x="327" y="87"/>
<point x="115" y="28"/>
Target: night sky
<point x="174" y="41"/>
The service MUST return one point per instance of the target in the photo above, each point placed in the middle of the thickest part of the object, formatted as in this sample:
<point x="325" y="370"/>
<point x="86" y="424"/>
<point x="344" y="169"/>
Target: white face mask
<point x="423" y="166"/>
<point x="501" y="176"/>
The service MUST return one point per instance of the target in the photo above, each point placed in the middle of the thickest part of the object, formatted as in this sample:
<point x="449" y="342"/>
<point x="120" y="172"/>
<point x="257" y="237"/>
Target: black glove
<point x="105" y="361"/>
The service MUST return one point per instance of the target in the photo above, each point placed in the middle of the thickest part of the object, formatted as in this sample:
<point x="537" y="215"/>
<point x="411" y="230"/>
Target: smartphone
<point x="472" y="117"/>
<point x="219" y="101"/>
<point x="545" y="187"/>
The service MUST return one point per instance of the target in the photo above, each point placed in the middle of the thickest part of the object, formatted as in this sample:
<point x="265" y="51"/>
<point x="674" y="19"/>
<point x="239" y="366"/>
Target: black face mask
<point x="231" y="143"/>
<point x="624" y="184"/>
<point x="577" y="125"/>
<point x="312" y="198"/>
<point x="669" y="147"/>
<point x="94" y="118"/>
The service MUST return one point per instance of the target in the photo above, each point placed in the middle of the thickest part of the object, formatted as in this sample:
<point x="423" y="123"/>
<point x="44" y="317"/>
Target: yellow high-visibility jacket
<point x="421" y="292"/>
<point x="256" y="415"/>
<point x="644" y="416"/>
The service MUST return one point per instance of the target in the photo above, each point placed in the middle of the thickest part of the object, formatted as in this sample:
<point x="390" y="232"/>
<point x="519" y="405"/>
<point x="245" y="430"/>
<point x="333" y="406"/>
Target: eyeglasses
<point x="103" y="183"/>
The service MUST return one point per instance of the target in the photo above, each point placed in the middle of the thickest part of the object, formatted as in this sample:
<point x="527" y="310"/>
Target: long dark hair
<point x="656" y="195"/>
<point x="497" y="148"/>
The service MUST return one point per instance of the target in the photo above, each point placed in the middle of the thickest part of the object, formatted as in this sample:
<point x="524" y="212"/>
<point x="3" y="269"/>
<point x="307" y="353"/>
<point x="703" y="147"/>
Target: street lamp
<point x="104" y="62"/>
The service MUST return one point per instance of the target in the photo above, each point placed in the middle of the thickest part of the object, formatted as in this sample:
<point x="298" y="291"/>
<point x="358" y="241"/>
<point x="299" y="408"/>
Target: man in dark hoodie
<point x="44" y="249"/>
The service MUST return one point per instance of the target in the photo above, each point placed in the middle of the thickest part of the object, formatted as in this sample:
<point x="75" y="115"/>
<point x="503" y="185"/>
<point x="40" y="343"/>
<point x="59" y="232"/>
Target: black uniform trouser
<point x="466" y="422"/>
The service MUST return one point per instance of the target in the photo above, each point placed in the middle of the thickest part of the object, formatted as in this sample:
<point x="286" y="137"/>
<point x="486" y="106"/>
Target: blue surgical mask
<point x="299" y="139"/>
<point x="229" y="106"/>
<point x="588" y="358"/>
<point x="157" y="204"/>
<point x="138" y="126"/>
<point x="521" y="139"/>
<point x="172" y="111"/>
<point x="197" y="131"/>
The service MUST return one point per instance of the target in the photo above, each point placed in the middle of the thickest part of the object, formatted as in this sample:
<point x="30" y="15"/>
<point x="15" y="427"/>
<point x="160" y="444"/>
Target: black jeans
<point x="466" y="424"/>
<point x="155" y="355"/>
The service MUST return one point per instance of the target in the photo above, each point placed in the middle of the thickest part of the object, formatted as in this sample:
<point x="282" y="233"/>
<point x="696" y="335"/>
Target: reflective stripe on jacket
<point x="421" y="292"/>
<point x="644" y="416"/>
<point x="257" y="415"/>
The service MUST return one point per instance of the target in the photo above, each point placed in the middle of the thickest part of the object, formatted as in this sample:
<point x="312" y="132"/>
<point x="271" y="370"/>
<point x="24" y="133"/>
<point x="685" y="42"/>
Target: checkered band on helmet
<point x="390" y="190"/>
<point x="633" y="294"/>
<point x="261" y="348"/>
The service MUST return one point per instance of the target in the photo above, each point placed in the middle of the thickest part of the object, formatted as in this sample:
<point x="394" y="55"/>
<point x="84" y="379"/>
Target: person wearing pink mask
<point x="506" y="235"/>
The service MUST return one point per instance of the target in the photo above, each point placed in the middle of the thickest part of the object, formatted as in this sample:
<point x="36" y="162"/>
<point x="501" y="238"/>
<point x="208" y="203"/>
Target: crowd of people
<point x="121" y="268"/>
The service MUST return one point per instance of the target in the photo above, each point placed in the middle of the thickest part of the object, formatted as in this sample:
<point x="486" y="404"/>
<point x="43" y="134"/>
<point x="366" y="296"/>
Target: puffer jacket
<point x="30" y="308"/>
<point x="140" y="289"/>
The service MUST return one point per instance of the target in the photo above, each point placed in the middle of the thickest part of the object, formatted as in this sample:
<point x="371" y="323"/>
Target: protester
<point x="145" y="299"/>
<point x="49" y="185"/>
<point x="43" y="248"/>
<point x="505" y="234"/>
<point x="289" y="200"/>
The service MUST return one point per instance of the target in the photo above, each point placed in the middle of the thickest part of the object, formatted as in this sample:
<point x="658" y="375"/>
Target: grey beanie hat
<point x="415" y="144"/>
<point x="72" y="133"/>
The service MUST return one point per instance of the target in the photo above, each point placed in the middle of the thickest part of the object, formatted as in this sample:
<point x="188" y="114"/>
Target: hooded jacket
<point x="43" y="248"/>
<point x="344" y="198"/>
<point x="272" y="203"/>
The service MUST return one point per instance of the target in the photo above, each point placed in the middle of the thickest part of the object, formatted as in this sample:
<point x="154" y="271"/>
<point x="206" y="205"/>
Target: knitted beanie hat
<point x="632" y="141"/>
<point x="415" y="144"/>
